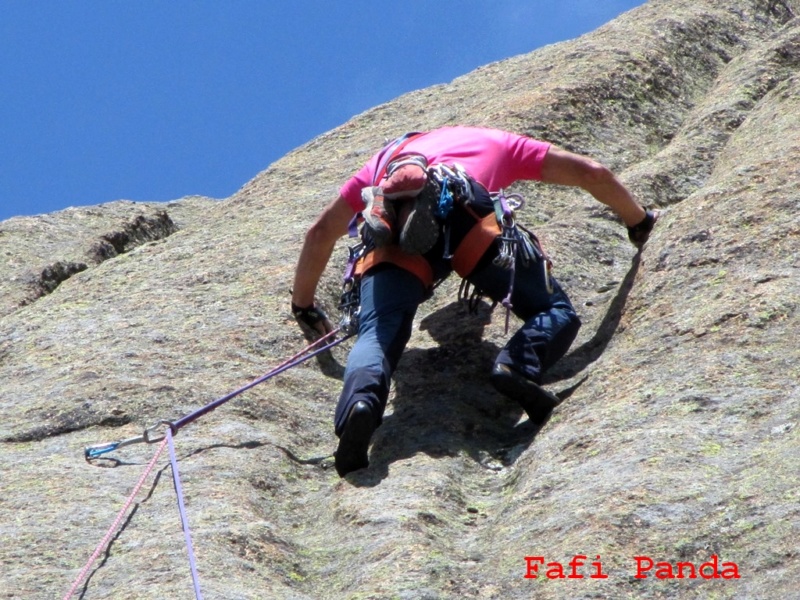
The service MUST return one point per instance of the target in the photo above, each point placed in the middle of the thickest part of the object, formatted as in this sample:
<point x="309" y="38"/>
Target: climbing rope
<point x="150" y="436"/>
<point x="107" y="538"/>
<point x="176" y="478"/>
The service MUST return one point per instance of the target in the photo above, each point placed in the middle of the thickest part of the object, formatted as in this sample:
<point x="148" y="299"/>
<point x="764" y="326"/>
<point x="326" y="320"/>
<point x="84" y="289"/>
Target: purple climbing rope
<point x="176" y="478"/>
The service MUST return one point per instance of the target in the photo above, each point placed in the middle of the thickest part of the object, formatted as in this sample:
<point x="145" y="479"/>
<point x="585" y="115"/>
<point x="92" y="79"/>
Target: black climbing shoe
<point x="420" y="229"/>
<point x="537" y="402"/>
<point x="351" y="454"/>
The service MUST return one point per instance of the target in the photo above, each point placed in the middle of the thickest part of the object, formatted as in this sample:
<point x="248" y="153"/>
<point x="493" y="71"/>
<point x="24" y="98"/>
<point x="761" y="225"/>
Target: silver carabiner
<point x="515" y="202"/>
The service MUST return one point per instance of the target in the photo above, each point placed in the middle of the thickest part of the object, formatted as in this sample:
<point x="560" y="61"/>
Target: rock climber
<point x="430" y="206"/>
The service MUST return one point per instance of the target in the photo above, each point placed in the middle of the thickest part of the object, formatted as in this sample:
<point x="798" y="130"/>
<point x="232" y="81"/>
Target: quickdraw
<point x="504" y="207"/>
<point x="148" y="436"/>
<point x="154" y="434"/>
<point x="514" y="241"/>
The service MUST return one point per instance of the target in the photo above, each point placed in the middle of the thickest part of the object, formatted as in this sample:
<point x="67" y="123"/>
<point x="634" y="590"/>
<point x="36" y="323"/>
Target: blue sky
<point x="156" y="100"/>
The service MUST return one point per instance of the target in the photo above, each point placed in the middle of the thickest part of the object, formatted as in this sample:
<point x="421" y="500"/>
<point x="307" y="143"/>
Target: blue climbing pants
<point x="389" y="300"/>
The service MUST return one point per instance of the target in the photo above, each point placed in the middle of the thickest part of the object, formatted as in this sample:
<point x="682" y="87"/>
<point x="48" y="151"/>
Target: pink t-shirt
<point x="494" y="158"/>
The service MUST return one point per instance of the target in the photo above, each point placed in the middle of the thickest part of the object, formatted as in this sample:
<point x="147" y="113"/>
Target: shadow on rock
<point x="581" y="357"/>
<point x="444" y="404"/>
<point x="329" y="366"/>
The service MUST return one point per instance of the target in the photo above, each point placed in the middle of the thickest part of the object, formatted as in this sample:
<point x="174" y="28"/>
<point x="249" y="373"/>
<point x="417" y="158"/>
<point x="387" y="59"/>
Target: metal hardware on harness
<point x="471" y="296"/>
<point x="508" y="237"/>
<point x="508" y="248"/>
<point x="514" y="202"/>
<point x="459" y="183"/>
<point x="350" y="306"/>
<point x="443" y="210"/>
<point x="510" y="241"/>
<point x="455" y="187"/>
<point x="548" y="274"/>
<point x="350" y="300"/>
<point x="527" y="248"/>
<point x="445" y="200"/>
<point x="532" y="251"/>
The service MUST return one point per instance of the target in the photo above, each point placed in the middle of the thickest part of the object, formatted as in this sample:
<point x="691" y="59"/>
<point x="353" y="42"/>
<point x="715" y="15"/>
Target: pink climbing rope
<point x="104" y="542"/>
<point x="95" y="451"/>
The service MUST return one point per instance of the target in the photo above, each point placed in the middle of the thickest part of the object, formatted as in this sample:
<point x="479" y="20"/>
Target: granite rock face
<point x="677" y="438"/>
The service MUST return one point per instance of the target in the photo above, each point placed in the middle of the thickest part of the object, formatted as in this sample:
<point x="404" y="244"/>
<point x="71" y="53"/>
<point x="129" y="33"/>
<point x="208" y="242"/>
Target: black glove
<point x="639" y="233"/>
<point x="313" y="321"/>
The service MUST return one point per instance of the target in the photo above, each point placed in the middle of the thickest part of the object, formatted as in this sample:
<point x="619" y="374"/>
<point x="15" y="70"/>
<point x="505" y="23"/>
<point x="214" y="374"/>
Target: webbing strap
<point x="414" y="263"/>
<point x="475" y="244"/>
<point x="390" y="151"/>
